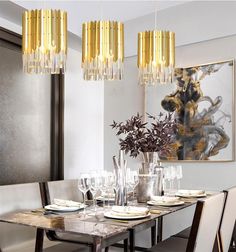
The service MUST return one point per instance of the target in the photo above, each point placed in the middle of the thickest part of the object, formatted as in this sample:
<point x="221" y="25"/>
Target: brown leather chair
<point x="203" y="231"/>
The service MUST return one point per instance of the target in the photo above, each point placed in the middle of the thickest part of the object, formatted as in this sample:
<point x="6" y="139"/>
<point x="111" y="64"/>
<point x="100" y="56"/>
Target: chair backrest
<point x="17" y="197"/>
<point x="206" y="223"/>
<point x="228" y="219"/>
<point x="63" y="189"/>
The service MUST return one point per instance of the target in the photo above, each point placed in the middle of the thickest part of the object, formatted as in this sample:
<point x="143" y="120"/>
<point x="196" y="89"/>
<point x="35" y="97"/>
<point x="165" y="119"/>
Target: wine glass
<point x="167" y="178"/>
<point x="84" y="184"/>
<point x="95" y="185"/>
<point x="133" y="180"/>
<point x="179" y="175"/>
<point x="110" y="184"/>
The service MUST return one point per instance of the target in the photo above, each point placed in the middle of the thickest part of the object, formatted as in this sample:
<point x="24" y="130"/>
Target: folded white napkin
<point x="129" y="211"/>
<point x="164" y="199"/>
<point x="66" y="203"/>
<point x="191" y="192"/>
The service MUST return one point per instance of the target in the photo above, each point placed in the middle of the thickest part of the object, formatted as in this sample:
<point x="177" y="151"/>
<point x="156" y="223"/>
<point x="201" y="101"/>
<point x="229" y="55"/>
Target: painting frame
<point x="232" y="136"/>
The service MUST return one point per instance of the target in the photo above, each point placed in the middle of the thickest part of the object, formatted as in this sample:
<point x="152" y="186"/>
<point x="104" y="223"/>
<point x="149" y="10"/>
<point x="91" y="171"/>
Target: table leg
<point x="132" y="240"/>
<point x="97" y="244"/>
<point x="153" y="235"/>
<point x="39" y="240"/>
<point x="159" y="229"/>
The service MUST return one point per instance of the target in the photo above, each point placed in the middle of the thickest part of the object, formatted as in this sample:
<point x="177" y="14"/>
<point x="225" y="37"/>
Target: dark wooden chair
<point x="204" y="228"/>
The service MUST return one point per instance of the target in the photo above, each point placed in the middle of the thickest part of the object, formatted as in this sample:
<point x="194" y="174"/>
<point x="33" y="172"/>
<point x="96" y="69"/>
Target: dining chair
<point x="228" y="220"/>
<point x="227" y="224"/>
<point x="17" y="197"/>
<point x="204" y="228"/>
<point x="68" y="190"/>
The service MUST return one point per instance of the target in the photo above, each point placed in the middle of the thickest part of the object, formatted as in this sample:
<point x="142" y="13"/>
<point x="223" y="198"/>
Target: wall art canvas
<point x="202" y="101"/>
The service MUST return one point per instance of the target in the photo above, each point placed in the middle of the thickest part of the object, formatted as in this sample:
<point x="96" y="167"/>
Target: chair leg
<point x="153" y="235"/>
<point x="160" y="229"/>
<point x="131" y="240"/>
<point x="39" y="240"/>
<point x="126" y="245"/>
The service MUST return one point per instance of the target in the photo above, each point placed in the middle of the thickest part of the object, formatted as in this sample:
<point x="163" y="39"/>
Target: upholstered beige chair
<point x="17" y="197"/>
<point x="228" y="220"/>
<point x="67" y="190"/>
<point x="203" y="231"/>
<point x="63" y="189"/>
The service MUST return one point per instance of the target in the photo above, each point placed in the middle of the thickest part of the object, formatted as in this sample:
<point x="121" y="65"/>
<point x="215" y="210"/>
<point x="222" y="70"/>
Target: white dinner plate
<point x="191" y="194"/>
<point x="57" y="208"/>
<point x="113" y="215"/>
<point x="167" y="204"/>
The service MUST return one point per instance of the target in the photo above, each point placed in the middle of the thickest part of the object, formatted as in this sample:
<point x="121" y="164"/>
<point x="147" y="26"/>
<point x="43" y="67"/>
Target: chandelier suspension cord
<point x="155" y="24"/>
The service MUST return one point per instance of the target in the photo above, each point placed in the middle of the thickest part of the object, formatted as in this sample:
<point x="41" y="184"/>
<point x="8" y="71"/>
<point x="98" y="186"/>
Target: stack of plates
<point x="165" y="201"/>
<point x="191" y="193"/>
<point x="127" y="212"/>
<point x="61" y="205"/>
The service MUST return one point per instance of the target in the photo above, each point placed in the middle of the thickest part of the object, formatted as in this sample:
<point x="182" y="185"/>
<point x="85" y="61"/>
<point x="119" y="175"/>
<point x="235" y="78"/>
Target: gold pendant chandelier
<point x="156" y="57"/>
<point x="102" y="50"/>
<point x="44" y="41"/>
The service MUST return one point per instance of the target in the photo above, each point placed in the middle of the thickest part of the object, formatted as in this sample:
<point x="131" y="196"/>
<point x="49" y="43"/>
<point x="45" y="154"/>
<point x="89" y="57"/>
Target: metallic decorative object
<point x="156" y="57"/>
<point x="120" y="166"/>
<point x="103" y="50"/>
<point x="44" y="41"/>
<point x="150" y="177"/>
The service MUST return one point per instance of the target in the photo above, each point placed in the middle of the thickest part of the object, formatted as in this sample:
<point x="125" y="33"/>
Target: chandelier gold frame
<point x="44" y="41"/>
<point x="156" y="57"/>
<point x="102" y="50"/>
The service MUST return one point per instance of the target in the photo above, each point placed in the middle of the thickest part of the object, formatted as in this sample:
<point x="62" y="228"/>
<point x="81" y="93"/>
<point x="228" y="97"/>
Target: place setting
<point x="61" y="205"/>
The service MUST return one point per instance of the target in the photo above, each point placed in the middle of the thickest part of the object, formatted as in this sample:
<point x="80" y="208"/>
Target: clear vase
<point x="120" y="166"/>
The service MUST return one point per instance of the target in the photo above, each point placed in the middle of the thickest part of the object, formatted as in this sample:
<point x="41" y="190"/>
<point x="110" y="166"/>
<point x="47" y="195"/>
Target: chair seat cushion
<point x="173" y="244"/>
<point x="184" y="233"/>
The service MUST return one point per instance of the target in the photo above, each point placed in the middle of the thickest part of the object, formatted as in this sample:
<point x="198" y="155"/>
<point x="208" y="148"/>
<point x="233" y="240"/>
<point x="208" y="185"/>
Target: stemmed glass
<point x="110" y="184"/>
<point x="84" y="184"/>
<point x="132" y="180"/>
<point x="95" y="185"/>
<point x="104" y="185"/>
<point x="167" y="180"/>
<point x="179" y="175"/>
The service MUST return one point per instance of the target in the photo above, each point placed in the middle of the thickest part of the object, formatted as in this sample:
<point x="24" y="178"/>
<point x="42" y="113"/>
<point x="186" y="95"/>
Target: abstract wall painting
<point x="202" y="101"/>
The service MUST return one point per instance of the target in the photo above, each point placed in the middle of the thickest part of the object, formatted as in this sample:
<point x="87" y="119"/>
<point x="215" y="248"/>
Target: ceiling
<point x="81" y="11"/>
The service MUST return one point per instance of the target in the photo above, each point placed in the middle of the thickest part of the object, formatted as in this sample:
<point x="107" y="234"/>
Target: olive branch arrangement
<point x="153" y="136"/>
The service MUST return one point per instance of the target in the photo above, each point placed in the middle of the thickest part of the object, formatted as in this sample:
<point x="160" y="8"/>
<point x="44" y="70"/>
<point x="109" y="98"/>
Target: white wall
<point x="84" y="116"/>
<point x="192" y="22"/>
<point x="122" y="99"/>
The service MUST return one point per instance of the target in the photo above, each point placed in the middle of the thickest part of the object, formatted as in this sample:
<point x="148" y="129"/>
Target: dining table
<point x="103" y="231"/>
